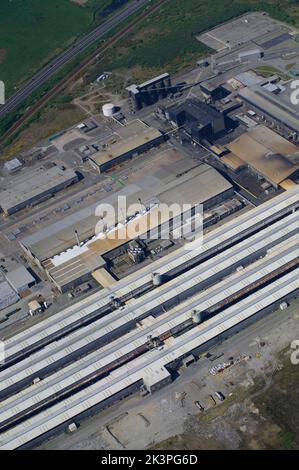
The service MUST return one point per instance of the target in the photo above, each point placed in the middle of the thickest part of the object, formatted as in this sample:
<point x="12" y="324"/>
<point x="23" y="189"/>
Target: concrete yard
<point x="246" y="28"/>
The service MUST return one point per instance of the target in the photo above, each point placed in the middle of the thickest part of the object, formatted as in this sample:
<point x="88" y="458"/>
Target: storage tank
<point x="109" y="109"/>
<point x="157" y="279"/>
<point x="196" y="316"/>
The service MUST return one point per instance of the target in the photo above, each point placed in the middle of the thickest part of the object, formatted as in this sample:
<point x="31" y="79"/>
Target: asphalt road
<point x="69" y="54"/>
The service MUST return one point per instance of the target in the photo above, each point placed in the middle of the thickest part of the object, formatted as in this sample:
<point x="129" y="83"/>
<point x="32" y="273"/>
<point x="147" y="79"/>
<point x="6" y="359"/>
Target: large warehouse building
<point x="130" y="339"/>
<point x="273" y="102"/>
<point x="31" y="186"/>
<point x="135" y="138"/>
<point x="67" y="263"/>
<point x="265" y="152"/>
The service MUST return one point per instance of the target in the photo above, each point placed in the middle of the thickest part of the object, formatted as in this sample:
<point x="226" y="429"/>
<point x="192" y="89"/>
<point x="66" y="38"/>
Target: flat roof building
<point x="20" y="279"/>
<point x="13" y="165"/>
<point x="56" y="251"/>
<point x="7" y="295"/>
<point x="35" y="307"/>
<point x="66" y="273"/>
<point x="135" y="138"/>
<point x="266" y="152"/>
<point x="34" y="185"/>
<point x="274" y="102"/>
<point x="201" y="119"/>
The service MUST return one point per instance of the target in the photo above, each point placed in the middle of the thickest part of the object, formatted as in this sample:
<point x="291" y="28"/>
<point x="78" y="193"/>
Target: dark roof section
<point x="196" y="110"/>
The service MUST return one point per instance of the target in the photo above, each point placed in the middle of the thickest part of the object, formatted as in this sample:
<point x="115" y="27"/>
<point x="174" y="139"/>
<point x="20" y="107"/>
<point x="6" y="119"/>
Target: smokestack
<point x="143" y="206"/>
<point x="77" y="237"/>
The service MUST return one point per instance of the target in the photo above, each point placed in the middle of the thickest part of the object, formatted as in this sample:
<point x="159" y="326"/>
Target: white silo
<point x="109" y="109"/>
<point x="157" y="279"/>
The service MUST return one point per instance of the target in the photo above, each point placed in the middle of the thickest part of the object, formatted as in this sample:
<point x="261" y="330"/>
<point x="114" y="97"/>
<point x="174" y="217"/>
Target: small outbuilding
<point x="20" y="279"/>
<point x="7" y="295"/>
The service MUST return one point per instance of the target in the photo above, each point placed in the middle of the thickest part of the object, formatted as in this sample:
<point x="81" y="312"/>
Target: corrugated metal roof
<point x="279" y="256"/>
<point x="199" y="110"/>
<point x="7" y="295"/>
<point x="278" y="106"/>
<point x="144" y="136"/>
<point x="220" y="235"/>
<point x="265" y="151"/>
<point x="13" y="164"/>
<point x="196" y="186"/>
<point x="137" y="369"/>
<point x="31" y="183"/>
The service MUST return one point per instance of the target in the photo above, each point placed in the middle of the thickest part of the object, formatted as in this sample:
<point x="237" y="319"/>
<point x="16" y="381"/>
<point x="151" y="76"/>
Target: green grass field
<point x="167" y="39"/>
<point x="33" y="31"/>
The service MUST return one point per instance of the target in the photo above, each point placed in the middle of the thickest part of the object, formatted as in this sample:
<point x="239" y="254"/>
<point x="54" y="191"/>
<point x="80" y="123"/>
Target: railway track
<point x="74" y="74"/>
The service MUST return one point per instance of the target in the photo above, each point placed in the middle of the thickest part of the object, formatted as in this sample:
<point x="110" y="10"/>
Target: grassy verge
<point x="34" y="31"/>
<point x="57" y="116"/>
<point x="166" y="41"/>
<point x="267" y="71"/>
<point x="11" y="118"/>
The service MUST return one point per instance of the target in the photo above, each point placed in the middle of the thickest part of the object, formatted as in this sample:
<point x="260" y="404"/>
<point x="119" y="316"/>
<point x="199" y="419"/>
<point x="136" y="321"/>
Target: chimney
<point x="77" y="237"/>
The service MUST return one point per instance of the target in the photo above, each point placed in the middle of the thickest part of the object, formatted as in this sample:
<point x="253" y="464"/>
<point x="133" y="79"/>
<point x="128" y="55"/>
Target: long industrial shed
<point x="128" y="377"/>
<point x="117" y="323"/>
<point x="181" y="260"/>
<point x="110" y="347"/>
<point x="216" y="297"/>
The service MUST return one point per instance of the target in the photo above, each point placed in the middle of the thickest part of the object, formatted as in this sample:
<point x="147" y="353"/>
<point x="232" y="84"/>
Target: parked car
<point x="198" y="405"/>
<point x="220" y="396"/>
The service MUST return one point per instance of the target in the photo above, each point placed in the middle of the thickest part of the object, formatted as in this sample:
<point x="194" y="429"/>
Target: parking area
<point x="243" y="29"/>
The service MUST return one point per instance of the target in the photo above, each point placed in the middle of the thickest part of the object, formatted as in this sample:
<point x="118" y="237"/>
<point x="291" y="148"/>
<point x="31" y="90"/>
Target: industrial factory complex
<point x="55" y="249"/>
<point x="134" y="243"/>
<point x="271" y="156"/>
<point x="135" y="335"/>
<point x="274" y="101"/>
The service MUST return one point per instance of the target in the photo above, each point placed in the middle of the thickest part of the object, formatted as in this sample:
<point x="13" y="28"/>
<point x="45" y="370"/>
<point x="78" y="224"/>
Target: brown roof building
<point x="266" y="152"/>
